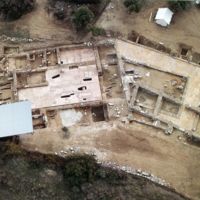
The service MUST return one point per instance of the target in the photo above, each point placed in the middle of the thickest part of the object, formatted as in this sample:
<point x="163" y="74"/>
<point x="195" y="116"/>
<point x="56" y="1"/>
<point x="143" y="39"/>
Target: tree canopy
<point x="14" y="9"/>
<point x="85" y="1"/>
<point x="177" y="5"/>
<point x="82" y="17"/>
<point x="133" y="5"/>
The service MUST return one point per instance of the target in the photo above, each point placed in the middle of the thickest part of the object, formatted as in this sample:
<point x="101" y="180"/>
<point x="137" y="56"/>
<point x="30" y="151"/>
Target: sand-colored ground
<point x="185" y="27"/>
<point x="41" y="25"/>
<point x="135" y="145"/>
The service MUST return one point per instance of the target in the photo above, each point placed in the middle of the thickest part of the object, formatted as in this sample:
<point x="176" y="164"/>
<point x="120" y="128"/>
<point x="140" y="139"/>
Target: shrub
<point x="85" y="1"/>
<point x="79" y="170"/>
<point x="96" y="31"/>
<point x="14" y="9"/>
<point x="66" y="133"/>
<point x="177" y="5"/>
<point x="82" y="17"/>
<point x="133" y="5"/>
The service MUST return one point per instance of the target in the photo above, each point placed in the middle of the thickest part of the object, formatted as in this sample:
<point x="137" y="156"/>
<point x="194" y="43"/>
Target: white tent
<point x="164" y="16"/>
<point x="15" y="119"/>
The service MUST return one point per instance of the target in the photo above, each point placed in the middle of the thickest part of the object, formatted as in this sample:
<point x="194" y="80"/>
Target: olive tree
<point x="14" y="9"/>
<point x="85" y="1"/>
<point x="177" y="5"/>
<point x="82" y="17"/>
<point x="133" y="5"/>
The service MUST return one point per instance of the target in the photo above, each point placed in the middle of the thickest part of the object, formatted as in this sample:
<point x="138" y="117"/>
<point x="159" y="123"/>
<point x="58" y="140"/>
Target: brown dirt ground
<point x="185" y="27"/>
<point x="41" y="25"/>
<point x="136" y="145"/>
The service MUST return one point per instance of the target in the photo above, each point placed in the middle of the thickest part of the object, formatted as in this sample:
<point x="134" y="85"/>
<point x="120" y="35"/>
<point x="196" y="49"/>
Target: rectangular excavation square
<point x="38" y="120"/>
<point x="112" y="59"/>
<point x="146" y="100"/>
<point x="36" y="78"/>
<point x="6" y="94"/>
<point x="37" y="60"/>
<point x="65" y="87"/>
<point x="171" y="84"/>
<point x="98" y="113"/>
<point x="70" y="56"/>
<point x="21" y="80"/>
<point x="111" y="77"/>
<point x="30" y="79"/>
<point x="19" y="62"/>
<point x="184" y="49"/>
<point x="196" y="57"/>
<point x="52" y="58"/>
<point x="10" y="50"/>
<point x="169" y="107"/>
<point x="104" y="52"/>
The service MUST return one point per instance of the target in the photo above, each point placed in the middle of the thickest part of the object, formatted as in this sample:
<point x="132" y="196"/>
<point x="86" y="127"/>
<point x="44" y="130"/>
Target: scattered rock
<point x="169" y="130"/>
<point x="174" y="82"/>
<point x="130" y="117"/>
<point x="156" y="123"/>
<point x="180" y="87"/>
<point x="147" y="74"/>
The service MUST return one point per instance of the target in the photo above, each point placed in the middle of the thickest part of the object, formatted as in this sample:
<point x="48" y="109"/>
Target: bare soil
<point x="38" y="24"/>
<point x="135" y="145"/>
<point x="78" y="177"/>
<point x="185" y="27"/>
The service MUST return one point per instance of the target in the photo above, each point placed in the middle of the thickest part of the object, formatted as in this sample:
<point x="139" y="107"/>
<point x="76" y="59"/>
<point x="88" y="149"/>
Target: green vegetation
<point x="14" y="9"/>
<point x="49" y="177"/>
<point x="79" y="170"/>
<point x="80" y="13"/>
<point x="133" y="5"/>
<point x="82" y="17"/>
<point x="97" y="31"/>
<point x="85" y="1"/>
<point x="9" y="30"/>
<point x="66" y="133"/>
<point x="64" y="8"/>
<point x="178" y="5"/>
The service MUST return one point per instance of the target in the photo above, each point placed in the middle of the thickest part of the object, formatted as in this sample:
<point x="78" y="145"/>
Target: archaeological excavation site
<point x="106" y="81"/>
<point x="101" y="108"/>
<point x="90" y="97"/>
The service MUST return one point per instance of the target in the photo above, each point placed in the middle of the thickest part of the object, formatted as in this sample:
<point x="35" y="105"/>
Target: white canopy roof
<point x="164" y="16"/>
<point x="15" y="119"/>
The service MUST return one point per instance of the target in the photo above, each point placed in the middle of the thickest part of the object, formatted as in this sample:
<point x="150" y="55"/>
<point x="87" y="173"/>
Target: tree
<point x="82" y="17"/>
<point x="14" y="9"/>
<point x="85" y="1"/>
<point x="133" y="5"/>
<point x="177" y="5"/>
